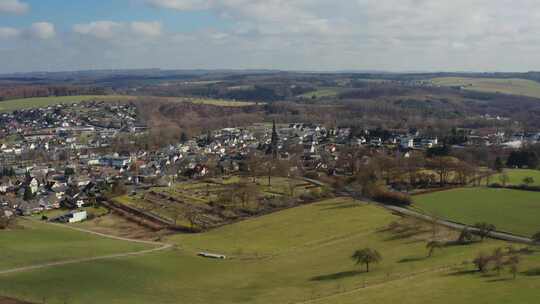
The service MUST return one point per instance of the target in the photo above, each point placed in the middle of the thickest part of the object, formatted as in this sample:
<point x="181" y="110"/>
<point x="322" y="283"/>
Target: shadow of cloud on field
<point x="337" y="275"/>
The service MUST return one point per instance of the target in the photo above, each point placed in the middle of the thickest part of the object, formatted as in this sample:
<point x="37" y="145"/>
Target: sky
<point x="315" y="35"/>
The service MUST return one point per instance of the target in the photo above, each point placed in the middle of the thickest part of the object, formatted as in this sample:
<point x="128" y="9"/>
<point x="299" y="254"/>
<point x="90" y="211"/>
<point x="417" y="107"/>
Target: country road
<point x="499" y="235"/>
<point x="458" y="226"/>
<point x="162" y="247"/>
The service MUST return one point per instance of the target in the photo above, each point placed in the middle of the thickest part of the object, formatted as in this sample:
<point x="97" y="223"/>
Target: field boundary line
<point x="162" y="247"/>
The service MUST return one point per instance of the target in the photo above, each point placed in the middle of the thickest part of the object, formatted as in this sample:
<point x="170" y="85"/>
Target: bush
<point x="392" y="198"/>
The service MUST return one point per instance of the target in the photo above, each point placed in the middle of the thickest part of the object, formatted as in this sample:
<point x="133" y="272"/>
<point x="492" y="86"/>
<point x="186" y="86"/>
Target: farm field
<point x="516" y="176"/>
<point x="210" y="101"/>
<point x="37" y="102"/>
<point x="35" y="242"/>
<point x="287" y="257"/>
<point x="323" y="93"/>
<point x="521" y="87"/>
<point x="511" y="211"/>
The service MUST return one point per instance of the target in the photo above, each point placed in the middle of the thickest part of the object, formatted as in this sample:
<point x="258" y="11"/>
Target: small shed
<point x="212" y="255"/>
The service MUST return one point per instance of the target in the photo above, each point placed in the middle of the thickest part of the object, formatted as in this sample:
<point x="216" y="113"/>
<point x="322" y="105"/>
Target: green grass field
<point x="516" y="176"/>
<point x="509" y="210"/>
<point x="35" y="242"/>
<point x="38" y="102"/>
<point x="210" y="101"/>
<point x="491" y="85"/>
<point x="287" y="257"/>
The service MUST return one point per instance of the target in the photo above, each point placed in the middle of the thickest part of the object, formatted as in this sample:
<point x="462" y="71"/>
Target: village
<point x="65" y="156"/>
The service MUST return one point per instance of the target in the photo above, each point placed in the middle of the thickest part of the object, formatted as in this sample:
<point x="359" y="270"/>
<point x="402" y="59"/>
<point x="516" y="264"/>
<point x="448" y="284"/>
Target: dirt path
<point x="162" y="247"/>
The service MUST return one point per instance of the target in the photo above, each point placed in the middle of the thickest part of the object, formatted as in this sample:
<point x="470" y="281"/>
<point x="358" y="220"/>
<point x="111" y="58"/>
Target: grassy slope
<point x="36" y="243"/>
<point x="25" y="103"/>
<point x="507" y="86"/>
<point x="303" y="253"/>
<point x="510" y="210"/>
<point x="461" y="285"/>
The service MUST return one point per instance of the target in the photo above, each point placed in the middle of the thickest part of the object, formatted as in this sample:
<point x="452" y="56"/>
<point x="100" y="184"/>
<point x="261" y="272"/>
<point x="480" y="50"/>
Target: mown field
<point x="35" y="243"/>
<point x="213" y="102"/>
<point x="38" y="102"/>
<point x="296" y="255"/>
<point x="512" y="211"/>
<point x="516" y="176"/>
<point x="323" y="93"/>
<point x="521" y="87"/>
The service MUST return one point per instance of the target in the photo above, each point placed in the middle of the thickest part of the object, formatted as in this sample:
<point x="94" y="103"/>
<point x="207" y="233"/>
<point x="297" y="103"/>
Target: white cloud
<point x="98" y="29"/>
<point x="146" y="28"/>
<point x="41" y="30"/>
<point x="110" y="30"/>
<point x="265" y="16"/>
<point x="13" y="7"/>
<point x="317" y="35"/>
<point x="181" y="5"/>
<point x="8" y="32"/>
<point x="38" y="30"/>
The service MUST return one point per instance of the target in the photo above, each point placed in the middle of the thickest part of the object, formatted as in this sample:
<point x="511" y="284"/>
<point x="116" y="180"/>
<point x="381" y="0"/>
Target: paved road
<point x="453" y="225"/>
<point x="162" y="247"/>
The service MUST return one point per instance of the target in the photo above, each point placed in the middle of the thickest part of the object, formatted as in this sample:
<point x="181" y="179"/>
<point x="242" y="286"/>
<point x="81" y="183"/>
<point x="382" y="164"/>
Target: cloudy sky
<point x="394" y="35"/>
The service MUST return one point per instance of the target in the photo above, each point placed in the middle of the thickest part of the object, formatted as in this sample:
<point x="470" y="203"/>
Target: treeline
<point x="24" y="91"/>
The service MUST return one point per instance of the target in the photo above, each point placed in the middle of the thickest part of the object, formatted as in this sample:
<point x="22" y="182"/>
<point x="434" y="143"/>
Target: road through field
<point x="499" y="235"/>
<point x="162" y="247"/>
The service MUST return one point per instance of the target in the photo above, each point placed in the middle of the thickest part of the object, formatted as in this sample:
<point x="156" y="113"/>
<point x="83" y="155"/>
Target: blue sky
<point x="319" y="35"/>
<point x="66" y="13"/>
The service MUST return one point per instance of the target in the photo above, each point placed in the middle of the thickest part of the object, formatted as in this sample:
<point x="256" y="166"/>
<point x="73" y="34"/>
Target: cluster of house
<point x="64" y="127"/>
<point x="86" y="174"/>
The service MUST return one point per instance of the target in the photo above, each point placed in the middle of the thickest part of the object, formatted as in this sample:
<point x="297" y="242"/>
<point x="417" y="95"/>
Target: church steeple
<point x="273" y="148"/>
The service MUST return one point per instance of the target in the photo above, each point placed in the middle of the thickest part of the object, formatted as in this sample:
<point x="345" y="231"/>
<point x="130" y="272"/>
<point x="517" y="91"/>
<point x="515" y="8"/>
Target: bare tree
<point x="432" y="246"/>
<point x="513" y="264"/>
<point x="482" y="261"/>
<point x="366" y="256"/>
<point x="504" y="178"/>
<point x="443" y="166"/>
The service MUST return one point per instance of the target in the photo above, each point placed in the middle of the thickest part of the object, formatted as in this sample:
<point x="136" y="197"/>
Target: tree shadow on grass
<point x="535" y="272"/>
<point x="330" y="204"/>
<point x="412" y="259"/>
<point x="337" y="275"/>
<point x="404" y="235"/>
<point x="342" y="206"/>
<point x="499" y="280"/>
<point x="463" y="272"/>
<point x="461" y="244"/>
